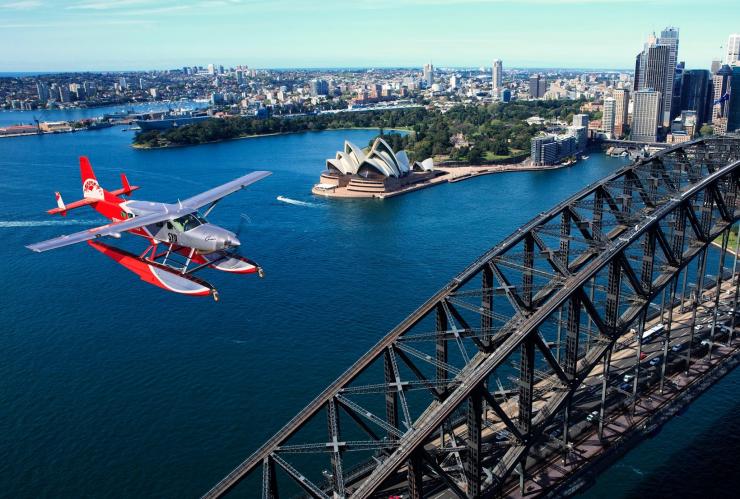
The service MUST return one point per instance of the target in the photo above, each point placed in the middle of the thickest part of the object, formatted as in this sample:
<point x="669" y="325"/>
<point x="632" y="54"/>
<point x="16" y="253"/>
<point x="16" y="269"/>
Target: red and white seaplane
<point x="190" y="243"/>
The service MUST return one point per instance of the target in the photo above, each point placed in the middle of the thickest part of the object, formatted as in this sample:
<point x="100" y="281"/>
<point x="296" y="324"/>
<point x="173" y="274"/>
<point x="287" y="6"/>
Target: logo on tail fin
<point x="91" y="189"/>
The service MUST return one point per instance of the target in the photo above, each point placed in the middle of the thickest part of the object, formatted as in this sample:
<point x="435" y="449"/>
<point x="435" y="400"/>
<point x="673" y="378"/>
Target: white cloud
<point x="21" y="5"/>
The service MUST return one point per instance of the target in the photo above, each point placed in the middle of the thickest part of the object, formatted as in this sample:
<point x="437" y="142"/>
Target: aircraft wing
<point x="224" y="190"/>
<point x="106" y="230"/>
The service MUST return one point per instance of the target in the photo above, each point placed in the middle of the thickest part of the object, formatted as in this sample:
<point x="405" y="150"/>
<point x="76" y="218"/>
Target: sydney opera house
<point x="376" y="172"/>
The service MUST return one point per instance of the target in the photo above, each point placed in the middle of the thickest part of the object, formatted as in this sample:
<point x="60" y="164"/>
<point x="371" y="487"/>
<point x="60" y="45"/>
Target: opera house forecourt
<point x="374" y="173"/>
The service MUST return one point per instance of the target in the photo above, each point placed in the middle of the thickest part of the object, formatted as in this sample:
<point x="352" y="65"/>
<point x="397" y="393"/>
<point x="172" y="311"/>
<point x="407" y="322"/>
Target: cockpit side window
<point x="187" y="222"/>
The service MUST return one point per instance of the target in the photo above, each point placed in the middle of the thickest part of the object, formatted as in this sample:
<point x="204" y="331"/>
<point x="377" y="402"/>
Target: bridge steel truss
<point x="459" y="394"/>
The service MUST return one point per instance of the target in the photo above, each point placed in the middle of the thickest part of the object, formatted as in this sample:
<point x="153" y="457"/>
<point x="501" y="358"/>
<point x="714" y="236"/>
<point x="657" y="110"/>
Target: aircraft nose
<point x="231" y="240"/>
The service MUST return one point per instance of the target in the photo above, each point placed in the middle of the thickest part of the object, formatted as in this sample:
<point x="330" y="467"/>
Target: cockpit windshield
<point x="187" y="222"/>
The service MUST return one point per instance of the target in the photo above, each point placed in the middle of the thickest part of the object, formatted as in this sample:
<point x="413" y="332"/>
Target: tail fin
<point x="60" y="204"/>
<point x="90" y="186"/>
<point x="124" y="183"/>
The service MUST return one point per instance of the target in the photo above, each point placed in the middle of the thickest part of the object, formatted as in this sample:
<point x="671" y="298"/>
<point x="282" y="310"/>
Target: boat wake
<point x="9" y="224"/>
<point x="295" y="202"/>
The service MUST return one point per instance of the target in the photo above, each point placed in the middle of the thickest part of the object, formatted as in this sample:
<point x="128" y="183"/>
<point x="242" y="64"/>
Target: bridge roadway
<point x="587" y="446"/>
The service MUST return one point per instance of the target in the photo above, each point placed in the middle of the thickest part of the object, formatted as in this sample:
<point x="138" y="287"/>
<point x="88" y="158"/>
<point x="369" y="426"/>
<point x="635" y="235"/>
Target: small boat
<point x="584" y="157"/>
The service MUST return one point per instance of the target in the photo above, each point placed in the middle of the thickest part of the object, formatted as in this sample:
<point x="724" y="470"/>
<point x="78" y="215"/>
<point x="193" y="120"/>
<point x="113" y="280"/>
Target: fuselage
<point x="191" y="230"/>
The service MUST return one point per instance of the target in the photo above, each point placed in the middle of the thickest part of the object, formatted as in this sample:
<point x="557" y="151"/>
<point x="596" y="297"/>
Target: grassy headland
<point x="466" y="134"/>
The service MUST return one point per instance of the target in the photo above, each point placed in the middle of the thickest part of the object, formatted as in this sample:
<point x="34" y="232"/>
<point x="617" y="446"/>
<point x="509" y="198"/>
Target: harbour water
<point x="112" y="388"/>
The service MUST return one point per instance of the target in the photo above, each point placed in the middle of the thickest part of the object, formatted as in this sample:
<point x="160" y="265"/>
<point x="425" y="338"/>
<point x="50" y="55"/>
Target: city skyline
<point x="95" y="35"/>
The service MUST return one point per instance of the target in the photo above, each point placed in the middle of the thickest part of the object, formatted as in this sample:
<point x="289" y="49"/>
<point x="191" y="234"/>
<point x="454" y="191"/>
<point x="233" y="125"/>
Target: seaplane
<point x="180" y="240"/>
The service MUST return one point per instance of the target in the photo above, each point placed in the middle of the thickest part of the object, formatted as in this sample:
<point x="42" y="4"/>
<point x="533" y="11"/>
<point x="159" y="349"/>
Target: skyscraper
<point x="537" y="86"/>
<point x="733" y="50"/>
<point x="721" y="105"/>
<point x="695" y="92"/>
<point x="43" y="91"/>
<point x="498" y="74"/>
<point x="428" y="74"/>
<point x="716" y="64"/>
<point x="621" y="107"/>
<point x="655" y="69"/>
<point x="669" y="37"/>
<point x="733" y="118"/>
<point x="646" y="115"/>
<point x="607" y="117"/>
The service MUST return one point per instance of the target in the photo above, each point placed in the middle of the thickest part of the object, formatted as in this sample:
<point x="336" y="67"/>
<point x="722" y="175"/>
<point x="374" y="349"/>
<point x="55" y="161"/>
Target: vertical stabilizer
<point x="90" y="186"/>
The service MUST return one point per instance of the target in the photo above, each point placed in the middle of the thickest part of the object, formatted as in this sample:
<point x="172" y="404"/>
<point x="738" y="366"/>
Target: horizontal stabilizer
<point x="62" y="208"/>
<point x="126" y="189"/>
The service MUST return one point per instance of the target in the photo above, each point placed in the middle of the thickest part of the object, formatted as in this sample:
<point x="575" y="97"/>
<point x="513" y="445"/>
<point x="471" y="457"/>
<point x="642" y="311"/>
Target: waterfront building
<point x="695" y="93"/>
<point x="621" y="108"/>
<point x="733" y="50"/>
<point x="497" y="75"/>
<point x="552" y="149"/>
<point x="376" y="171"/>
<point x="64" y="95"/>
<point x="607" y="117"/>
<point x="646" y="115"/>
<point x="123" y="83"/>
<point x="655" y="69"/>
<point x="428" y="74"/>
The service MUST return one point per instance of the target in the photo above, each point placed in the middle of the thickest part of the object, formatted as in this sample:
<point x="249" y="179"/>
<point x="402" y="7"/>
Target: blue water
<point x="111" y="387"/>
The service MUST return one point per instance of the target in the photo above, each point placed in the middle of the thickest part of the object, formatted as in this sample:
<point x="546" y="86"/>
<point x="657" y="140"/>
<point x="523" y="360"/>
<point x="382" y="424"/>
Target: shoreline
<point x="256" y="136"/>
<point x="451" y="175"/>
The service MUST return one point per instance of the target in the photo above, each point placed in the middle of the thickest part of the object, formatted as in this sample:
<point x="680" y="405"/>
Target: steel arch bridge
<point x="459" y="394"/>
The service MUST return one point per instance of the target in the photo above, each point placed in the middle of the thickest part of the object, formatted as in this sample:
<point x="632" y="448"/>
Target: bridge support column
<point x="636" y="379"/>
<point x="718" y="289"/>
<point x="571" y="362"/>
<point x="391" y="394"/>
<point x="269" y="482"/>
<point x="667" y="339"/>
<point x="697" y="299"/>
<point x="473" y="457"/>
<point x="486" y="321"/>
<point x="415" y="476"/>
<point x="441" y="350"/>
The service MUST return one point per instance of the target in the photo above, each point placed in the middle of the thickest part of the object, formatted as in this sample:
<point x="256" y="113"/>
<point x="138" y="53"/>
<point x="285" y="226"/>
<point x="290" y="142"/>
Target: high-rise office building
<point x="655" y="69"/>
<point x="607" y="117"/>
<point x="580" y="120"/>
<point x="677" y="83"/>
<point x="621" y="108"/>
<point x="319" y="87"/>
<point x="211" y="69"/>
<point x="716" y="64"/>
<point x="669" y="37"/>
<point x="537" y="86"/>
<point x="43" y="91"/>
<point x="64" y="95"/>
<point x="498" y="74"/>
<point x="695" y="92"/>
<point x="733" y="118"/>
<point x="725" y="109"/>
<point x="733" y="50"/>
<point x="646" y="115"/>
<point x="428" y="74"/>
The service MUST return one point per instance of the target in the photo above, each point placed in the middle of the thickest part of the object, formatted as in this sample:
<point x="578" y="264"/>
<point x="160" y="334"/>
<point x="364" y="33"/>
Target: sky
<point x="74" y="35"/>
